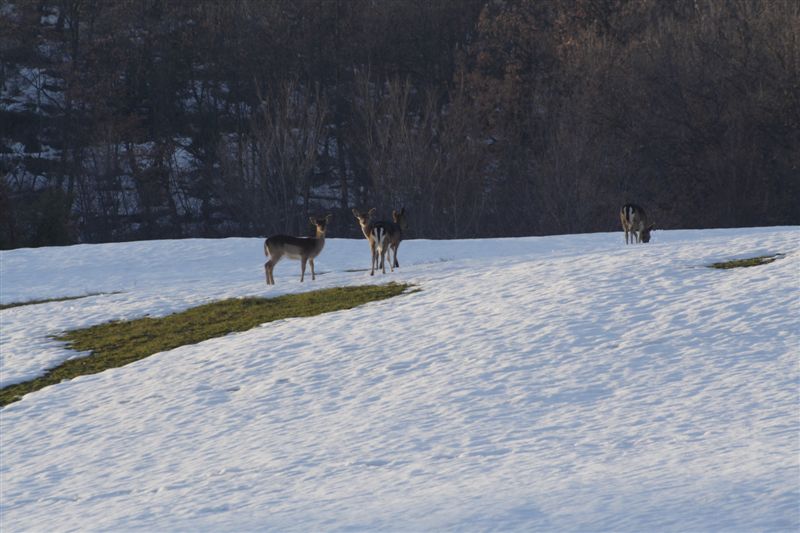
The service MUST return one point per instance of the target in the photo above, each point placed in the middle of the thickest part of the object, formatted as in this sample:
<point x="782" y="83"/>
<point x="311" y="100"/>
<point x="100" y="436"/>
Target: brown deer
<point x="376" y="234"/>
<point x="634" y="221"/>
<point x="303" y="248"/>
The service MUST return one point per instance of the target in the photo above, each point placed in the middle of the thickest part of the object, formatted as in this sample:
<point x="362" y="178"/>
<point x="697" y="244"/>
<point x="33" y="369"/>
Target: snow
<point x="564" y="383"/>
<point x="29" y="89"/>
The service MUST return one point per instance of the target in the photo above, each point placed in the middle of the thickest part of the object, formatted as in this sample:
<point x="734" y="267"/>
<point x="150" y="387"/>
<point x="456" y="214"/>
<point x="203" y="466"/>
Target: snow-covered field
<point x="554" y="383"/>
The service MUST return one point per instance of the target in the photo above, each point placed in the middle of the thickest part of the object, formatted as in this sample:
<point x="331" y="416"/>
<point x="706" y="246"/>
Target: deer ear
<point x="355" y="212"/>
<point x="372" y="211"/>
<point x="394" y="213"/>
<point x="328" y="216"/>
<point x="313" y="222"/>
<point x="403" y="210"/>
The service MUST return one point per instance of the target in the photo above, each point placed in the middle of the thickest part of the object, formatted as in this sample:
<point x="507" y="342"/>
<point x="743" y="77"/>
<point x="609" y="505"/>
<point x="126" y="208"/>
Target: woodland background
<point x="146" y="119"/>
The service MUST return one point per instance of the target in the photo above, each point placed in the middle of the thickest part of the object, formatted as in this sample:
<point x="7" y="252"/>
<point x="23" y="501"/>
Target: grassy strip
<point x="752" y="261"/>
<point x="116" y="344"/>
<point x="62" y="299"/>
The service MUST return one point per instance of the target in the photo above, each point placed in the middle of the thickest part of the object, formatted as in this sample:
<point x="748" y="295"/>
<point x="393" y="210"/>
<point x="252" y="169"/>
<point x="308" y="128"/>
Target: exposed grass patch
<point x="752" y="261"/>
<point x="116" y="344"/>
<point x="48" y="300"/>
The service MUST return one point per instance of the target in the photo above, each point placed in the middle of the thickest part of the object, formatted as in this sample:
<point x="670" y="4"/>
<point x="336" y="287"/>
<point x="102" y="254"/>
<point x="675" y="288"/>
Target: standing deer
<point x="395" y="229"/>
<point x="303" y="248"/>
<point x="376" y="234"/>
<point x="634" y="221"/>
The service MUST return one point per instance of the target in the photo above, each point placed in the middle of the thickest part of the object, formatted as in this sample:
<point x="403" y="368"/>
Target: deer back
<point x="633" y="217"/>
<point x="295" y="247"/>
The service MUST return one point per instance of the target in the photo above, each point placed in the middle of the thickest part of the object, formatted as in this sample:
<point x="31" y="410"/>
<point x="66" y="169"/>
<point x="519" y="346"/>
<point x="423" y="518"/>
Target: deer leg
<point x="313" y="276"/>
<point x="273" y="263"/>
<point x="389" y="257"/>
<point x="268" y="266"/>
<point x="374" y="254"/>
<point x="396" y="264"/>
<point x="302" y="269"/>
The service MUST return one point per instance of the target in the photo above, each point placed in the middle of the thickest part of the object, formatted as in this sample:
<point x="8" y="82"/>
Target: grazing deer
<point x="302" y="248"/>
<point x="634" y="221"/>
<point x="376" y="234"/>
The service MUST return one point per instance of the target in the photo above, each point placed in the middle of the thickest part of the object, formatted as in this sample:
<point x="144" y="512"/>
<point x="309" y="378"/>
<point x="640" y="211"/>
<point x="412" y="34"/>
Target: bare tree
<point x="267" y="168"/>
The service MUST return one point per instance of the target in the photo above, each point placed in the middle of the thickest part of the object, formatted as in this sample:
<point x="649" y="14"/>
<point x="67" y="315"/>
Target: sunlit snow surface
<point x="554" y="383"/>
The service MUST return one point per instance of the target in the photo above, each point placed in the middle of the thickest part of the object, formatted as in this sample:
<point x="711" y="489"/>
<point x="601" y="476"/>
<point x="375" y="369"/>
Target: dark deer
<point x="303" y="248"/>
<point x="634" y="221"/>
<point x="395" y="230"/>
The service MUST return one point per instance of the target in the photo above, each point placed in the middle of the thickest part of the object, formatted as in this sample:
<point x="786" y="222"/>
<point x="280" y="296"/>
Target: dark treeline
<point x="140" y="119"/>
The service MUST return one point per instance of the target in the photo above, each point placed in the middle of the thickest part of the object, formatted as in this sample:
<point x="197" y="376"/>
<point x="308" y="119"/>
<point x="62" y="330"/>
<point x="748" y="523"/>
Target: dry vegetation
<point x="482" y="117"/>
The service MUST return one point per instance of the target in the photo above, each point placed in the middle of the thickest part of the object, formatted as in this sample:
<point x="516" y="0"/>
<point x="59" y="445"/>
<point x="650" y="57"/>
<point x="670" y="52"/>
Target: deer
<point x="303" y="248"/>
<point x="634" y="221"/>
<point x="395" y="229"/>
<point x="376" y="234"/>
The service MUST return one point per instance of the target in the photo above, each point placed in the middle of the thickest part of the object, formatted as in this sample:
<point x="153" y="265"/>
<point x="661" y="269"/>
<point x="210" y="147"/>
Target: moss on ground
<point x="119" y="343"/>
<point x="749" y="262"/>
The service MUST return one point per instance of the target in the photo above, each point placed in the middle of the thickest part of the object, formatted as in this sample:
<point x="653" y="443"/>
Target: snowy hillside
<point x="554" y="383"/>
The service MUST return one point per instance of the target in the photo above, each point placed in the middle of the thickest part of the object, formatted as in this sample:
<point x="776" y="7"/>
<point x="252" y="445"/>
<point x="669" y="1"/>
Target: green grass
<point x="116" y="344"/>
<point x="62" y="299"/>
<point x="749" y="262"/>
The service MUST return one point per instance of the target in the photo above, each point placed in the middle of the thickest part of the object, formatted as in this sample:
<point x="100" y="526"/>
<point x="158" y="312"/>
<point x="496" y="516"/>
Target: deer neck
<point x="366" y="229"/>
<point x="319" y="241"/>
